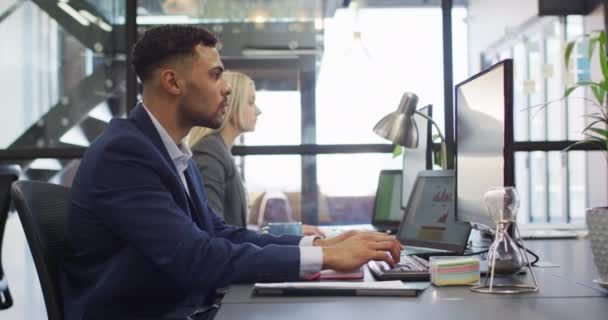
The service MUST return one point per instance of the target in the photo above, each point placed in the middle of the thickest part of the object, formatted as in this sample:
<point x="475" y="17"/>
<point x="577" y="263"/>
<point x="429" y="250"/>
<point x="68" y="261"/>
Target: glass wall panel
<point x="552" y="70"/>
<point x="555" y="186"/>
<point x="371" y="58"/>
<point x="521" y="103"/>
<point x="280" y="120"/>
<point x="61" y="71"/>
<point x="535" y="87"/>
<point x="276" y="176"/>
<point x="538" y="186"/>
<point x="577" y="168"/>
<point x="32" y="59"/>
<point x="576" y="103"/>
<point x="348" y="185"/>
<point x="522" y="183"/>
<point x="67" y="71"/>
<point x="558" y="187"/>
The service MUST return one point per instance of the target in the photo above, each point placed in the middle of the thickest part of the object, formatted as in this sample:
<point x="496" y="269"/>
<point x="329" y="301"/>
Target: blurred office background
<point x="326" y="72"/>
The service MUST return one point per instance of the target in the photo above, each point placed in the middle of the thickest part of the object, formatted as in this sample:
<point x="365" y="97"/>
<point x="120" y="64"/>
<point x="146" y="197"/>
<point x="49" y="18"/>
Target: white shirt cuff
<point x="307" y="241"/>
<point x="311" y="260"/>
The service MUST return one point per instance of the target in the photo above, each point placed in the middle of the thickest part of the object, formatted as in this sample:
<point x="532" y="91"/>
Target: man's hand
<point x="308" y="230"/>
<point x="360" y="248"/>
<point x="335" y="240"/>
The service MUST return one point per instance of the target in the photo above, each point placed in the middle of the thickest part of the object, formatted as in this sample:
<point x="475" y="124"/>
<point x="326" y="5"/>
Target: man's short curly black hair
<point x="160" y="44"/>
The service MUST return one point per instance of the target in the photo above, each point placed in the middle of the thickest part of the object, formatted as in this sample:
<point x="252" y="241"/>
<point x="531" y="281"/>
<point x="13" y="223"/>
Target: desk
<point x="559" y="297"/>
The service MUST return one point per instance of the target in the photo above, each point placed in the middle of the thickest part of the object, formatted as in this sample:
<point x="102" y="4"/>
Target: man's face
<point x="204" y="102"/>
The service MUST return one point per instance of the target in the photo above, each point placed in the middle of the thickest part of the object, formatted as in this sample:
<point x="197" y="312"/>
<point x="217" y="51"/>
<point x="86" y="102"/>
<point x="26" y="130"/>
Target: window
<point x="555" y="186"/>
<point x="361" y="78"/>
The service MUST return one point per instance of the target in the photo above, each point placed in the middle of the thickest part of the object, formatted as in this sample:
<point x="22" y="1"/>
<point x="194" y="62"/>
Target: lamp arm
<point x="432" y="122"/>
<point x="444" y="160"/>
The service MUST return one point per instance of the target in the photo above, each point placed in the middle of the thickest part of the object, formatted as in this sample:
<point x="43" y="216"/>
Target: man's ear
<point x="170" y="81"/>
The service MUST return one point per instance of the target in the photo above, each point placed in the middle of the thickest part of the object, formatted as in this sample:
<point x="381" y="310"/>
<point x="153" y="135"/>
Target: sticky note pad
<point x="447" y="271"/>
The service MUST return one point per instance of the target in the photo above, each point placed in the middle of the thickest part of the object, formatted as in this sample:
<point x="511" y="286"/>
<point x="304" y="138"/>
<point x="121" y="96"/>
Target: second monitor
<point x="484" y="140"/>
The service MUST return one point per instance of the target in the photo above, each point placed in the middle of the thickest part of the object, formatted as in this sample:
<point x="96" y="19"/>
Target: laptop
<point x="428" y="228"/>
<point x="387" y="212"/>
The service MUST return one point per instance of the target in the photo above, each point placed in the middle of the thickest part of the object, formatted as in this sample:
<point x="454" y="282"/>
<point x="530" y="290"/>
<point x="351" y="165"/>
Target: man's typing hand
<point x="357" y="248"/>
<point x="309" y="230"/>
<point x="335" y="240"/>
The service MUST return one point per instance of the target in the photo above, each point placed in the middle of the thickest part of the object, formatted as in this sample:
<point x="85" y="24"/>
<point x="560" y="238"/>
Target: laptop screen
<point x="429" y="219"/>
<point x="387" y="204"/>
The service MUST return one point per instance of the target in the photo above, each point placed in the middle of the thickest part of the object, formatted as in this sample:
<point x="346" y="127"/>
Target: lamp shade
<point x="399" y="126"/>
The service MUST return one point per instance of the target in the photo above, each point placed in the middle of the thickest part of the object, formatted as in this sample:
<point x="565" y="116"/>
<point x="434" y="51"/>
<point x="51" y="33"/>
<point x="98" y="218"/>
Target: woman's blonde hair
<point x="237" y="100"/>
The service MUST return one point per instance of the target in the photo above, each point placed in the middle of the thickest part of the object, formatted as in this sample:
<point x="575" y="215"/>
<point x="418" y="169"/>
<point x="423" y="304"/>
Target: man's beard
<point x="214" y="123"/>
<point x="196" y="119"/>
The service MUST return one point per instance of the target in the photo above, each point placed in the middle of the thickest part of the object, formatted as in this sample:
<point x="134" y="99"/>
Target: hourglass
<point x="506" y="256"/>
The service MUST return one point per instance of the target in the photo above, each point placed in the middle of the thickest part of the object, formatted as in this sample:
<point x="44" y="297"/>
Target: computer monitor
<point x="387" y="204"/>
<point x="484" y="140"/>
<point x="418" y="159"/>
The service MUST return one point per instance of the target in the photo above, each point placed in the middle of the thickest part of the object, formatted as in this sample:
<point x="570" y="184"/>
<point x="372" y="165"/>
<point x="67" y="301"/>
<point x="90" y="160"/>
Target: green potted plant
<point x="595" y="133"/>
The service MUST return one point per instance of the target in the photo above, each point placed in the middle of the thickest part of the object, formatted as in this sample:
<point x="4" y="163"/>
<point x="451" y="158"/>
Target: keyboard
<point x="409" y="268"/>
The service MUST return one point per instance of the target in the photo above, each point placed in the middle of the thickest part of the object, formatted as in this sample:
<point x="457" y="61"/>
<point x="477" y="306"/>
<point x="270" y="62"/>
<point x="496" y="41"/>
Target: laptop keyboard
<point x="408" y="268"/>
<point x="408" y="263"/>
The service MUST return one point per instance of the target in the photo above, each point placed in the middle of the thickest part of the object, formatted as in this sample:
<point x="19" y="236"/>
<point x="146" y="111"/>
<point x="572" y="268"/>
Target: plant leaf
<point x="604" y="85"/>
<point x="569" y="90"/>
<point x="588" y="83"/>
<point x="602" y="57"/>
<point x="602" y="38"/>
<point x="568" y="53"/>
<point x="586" y="141"/>
<point x="397" y="151"/>
<point x="602" y="132"/>
<point x="600" y="141"/>
<point x="592" y="43"/>
<point x="599" y="94"/>
<point x="592" y="124"/>
<point x="599" y="119"/>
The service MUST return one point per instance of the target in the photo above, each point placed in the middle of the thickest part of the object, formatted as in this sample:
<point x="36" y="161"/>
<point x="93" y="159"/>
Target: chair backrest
<point x="274" y="207"/>
<point x="43" y="211"/>
<point x="8" y="174"/>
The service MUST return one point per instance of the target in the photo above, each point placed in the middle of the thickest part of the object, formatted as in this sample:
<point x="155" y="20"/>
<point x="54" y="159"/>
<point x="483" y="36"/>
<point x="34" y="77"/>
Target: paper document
<point x="336" y="284"/>
<point x="330" y="274"/>
<point x="366" y="288"/>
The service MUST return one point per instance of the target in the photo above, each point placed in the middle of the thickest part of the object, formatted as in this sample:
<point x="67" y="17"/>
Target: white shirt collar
<point x="180" y="154"/>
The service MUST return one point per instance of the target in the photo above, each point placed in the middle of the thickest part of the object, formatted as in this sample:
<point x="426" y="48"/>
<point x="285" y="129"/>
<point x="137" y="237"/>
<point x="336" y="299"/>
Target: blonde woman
<point x="211" y="149"/>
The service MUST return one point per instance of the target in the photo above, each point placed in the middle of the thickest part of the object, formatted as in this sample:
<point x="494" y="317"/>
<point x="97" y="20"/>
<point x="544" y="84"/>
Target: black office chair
<point x="43" y="210"/>
<point x="8" y="174"/>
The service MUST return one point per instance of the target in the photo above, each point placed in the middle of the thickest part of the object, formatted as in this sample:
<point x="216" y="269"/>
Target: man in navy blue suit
<point x="141" y="241"/>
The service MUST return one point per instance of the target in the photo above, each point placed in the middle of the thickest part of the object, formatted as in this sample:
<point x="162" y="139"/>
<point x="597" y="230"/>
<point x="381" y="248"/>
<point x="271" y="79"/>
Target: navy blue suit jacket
<point x="136" y="248"/>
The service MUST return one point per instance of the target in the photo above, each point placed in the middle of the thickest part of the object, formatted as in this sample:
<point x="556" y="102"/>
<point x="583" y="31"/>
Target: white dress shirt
<point x="311" y="258"/>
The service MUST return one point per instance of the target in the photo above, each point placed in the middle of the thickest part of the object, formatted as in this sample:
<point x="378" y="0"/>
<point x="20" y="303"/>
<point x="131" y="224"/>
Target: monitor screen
<point x="429" y="216"/>
<point x="387" y="206"/>
<point x="484" y="139"/>
<point x="418" y="159"/>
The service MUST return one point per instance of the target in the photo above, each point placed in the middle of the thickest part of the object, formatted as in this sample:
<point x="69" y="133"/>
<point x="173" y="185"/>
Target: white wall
<point x="489" y="20"/>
